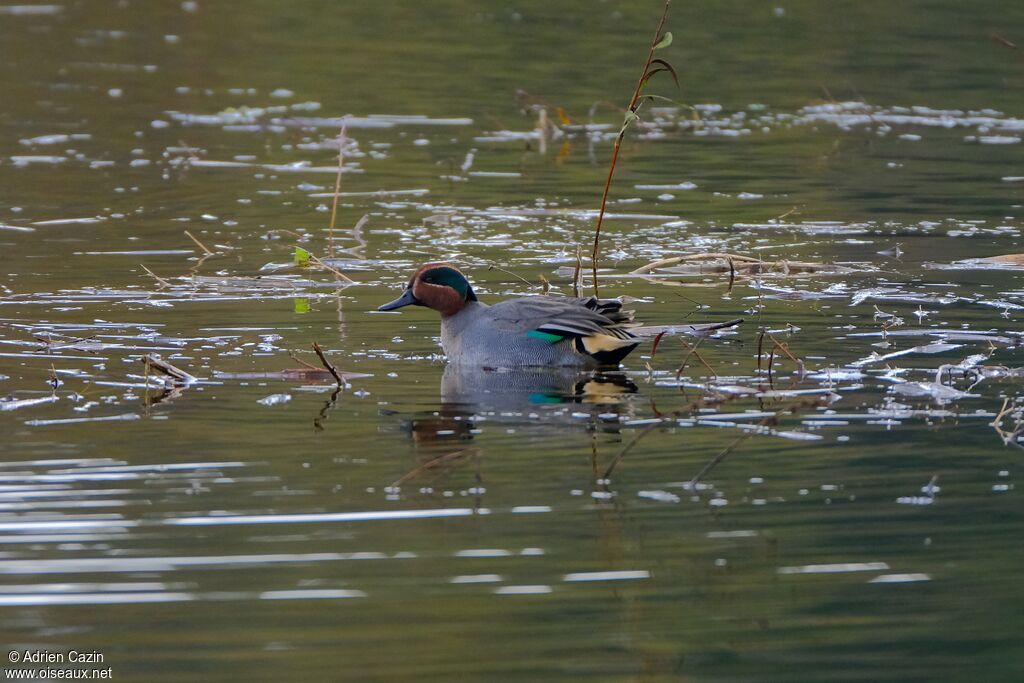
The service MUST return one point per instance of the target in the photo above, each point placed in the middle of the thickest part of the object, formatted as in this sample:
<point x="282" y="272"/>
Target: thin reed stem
<point x="337" y="191"/>
<point x="644" y="75"/>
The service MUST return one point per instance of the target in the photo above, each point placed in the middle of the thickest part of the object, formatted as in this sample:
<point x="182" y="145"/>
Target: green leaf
<point x="662" y="65"/>
<point x="301" y="257"/>
<point x="652" y="98"/>
<point x="665" y="41"/>
<point x="301" y="305"/>
<point x="630" y="118"/>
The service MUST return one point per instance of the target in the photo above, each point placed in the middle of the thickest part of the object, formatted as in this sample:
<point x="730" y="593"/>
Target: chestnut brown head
<point x="439" y="286"/>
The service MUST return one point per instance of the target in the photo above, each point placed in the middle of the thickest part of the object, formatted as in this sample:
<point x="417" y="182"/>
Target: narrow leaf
<point x="652" y="98"/>
<point x="665" y="41"/>
<point x="665" y="66"/>
<point x="301" y="257"/>
<point x="654" y="346"/>
<point x="650" y="74"/>
<point x="563" y="152"/>
<point x="630" y="118"/>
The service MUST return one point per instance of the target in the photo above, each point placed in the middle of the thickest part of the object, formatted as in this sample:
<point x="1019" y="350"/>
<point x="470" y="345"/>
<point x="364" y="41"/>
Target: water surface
<point x="850" y="515"/>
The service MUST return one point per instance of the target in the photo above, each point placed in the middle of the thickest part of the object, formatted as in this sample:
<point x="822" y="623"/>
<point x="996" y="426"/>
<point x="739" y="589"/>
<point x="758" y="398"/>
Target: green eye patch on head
<point x="446" y="276"/>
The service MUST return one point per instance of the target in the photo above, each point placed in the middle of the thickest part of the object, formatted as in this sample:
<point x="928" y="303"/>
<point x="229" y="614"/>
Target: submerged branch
<point x="441" y="459"/>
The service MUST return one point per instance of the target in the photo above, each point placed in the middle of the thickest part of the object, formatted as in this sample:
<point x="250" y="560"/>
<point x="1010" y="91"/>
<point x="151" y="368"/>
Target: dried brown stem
<point x="654" y="344"/>
<point x="177" y="375"/>
<point x="303" y="363"/>
<point x="1008" y="437"/>
<point x="198" y="243"/>
<point x="785" y="350"/>
<point x="328" y="365"/>
<point x="694" y="352"/>
<point x="163" y="282"/>
<point x="340" y="275"/>
<point x="760" y="345"/>
<point x="337" y="273"/>
<point x="737" y="265"/>
<point x="495" y="266"/>
<point x="595" y="254"/>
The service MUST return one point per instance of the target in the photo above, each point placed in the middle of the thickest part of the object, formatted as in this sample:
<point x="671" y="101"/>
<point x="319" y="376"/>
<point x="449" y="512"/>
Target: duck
<point x="532" y="331"/>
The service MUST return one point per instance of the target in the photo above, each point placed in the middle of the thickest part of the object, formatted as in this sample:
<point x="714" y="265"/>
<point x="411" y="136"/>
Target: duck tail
<point x="606" y="350"/>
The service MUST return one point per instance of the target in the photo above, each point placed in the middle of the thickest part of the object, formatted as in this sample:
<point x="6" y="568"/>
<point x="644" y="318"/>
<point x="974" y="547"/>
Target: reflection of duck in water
<point x="477" y="389"/>
<point x="515" y="397"/>
<point x="535" y="331"/>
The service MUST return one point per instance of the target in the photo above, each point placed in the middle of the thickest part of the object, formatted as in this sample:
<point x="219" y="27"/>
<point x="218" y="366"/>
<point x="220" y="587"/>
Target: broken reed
<point x="651" y="67"/>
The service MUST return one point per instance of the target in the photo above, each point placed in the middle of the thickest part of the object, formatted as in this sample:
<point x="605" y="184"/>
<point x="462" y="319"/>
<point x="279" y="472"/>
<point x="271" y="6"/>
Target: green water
<point x="858" y="521"/>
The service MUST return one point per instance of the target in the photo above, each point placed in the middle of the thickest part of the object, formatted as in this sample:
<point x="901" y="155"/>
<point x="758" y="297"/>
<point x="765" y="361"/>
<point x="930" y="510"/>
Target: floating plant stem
<point x="176" y="374"/>
<point x="198" y="243"/>
<point x="303" y="257"/>
<point x="495" y="266"/>
<point x="160" y="280"/>
<point x="1004" y="41"/>
<point x="660" y="40"/>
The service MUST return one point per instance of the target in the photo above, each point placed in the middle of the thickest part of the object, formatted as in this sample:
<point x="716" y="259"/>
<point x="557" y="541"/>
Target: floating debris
<point x="79" y="420"/>
<point x="275" y="399"/>
<point x="175" y="375"/>
<point x="15" y="404"/>
<point x="702" y="264"/>
<point x="929" y="349"/>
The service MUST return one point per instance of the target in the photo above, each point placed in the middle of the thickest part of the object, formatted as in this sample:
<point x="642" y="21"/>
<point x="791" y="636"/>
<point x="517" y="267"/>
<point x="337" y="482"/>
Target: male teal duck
<point x="533" y="331"/>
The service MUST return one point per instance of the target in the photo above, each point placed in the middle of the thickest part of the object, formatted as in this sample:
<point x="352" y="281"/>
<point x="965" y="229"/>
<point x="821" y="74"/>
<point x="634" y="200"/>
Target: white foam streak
<point x="370" y="515"/>
<point x="835" y="568"/>
<point x="621" y="575"/>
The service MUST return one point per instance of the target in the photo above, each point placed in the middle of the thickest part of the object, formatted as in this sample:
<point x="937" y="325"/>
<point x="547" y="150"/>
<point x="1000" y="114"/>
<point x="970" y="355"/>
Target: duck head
<point x="440" y="286"/>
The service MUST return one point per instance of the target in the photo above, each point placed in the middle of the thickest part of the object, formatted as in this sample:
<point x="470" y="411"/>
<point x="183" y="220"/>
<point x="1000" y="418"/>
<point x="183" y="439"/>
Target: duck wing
<point x="563" y="317"/>
<point x="598" y="328"/>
